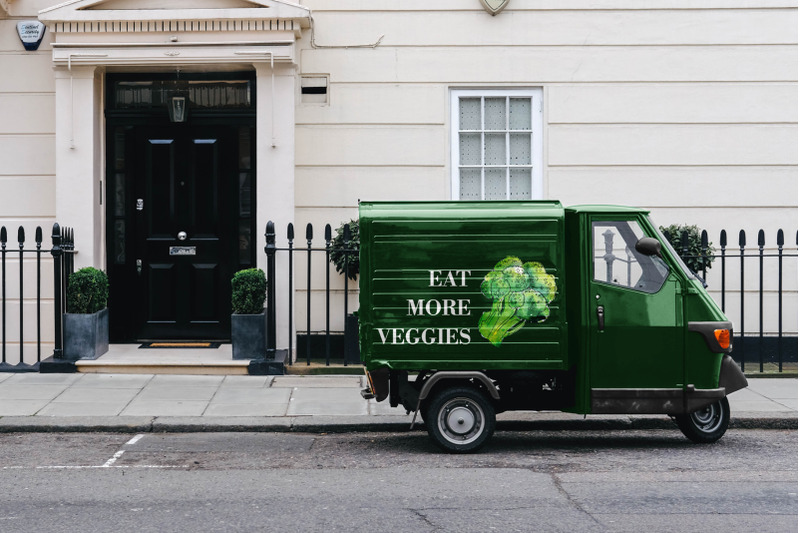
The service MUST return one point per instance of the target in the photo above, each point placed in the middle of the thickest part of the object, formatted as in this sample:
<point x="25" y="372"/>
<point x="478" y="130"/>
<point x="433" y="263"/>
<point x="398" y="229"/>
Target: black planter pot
<point x="85" y="336"/>
<point x="249" y="336"/>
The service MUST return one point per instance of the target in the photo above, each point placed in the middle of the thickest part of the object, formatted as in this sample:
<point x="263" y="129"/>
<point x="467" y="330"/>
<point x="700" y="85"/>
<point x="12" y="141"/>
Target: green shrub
<point x="249" y="288"/>
<point x="695" y="260"/>
<point x="87" y="291"/>
<point x="338" y="248"/>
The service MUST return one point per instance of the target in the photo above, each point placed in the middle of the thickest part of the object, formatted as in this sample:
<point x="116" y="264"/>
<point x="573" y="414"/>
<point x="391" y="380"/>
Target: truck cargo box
<point x="463" y="285"/>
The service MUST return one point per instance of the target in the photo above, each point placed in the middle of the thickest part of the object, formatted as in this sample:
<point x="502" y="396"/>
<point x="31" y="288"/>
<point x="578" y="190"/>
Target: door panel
<point x="205" y="288"/>
<point x="635" y="312"/>
<point x="185" y="232"/>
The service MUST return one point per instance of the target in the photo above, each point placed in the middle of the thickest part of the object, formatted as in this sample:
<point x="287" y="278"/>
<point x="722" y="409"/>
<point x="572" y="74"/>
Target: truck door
<point x="635" y="314"/>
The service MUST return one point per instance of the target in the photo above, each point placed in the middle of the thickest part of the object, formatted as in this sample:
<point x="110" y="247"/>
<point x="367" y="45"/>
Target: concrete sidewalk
<point x="141" y="403"/>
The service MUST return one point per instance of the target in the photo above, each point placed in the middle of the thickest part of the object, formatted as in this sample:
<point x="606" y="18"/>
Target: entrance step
<point x="130" y="359"/>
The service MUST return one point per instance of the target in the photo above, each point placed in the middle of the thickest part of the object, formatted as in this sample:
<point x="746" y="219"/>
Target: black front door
<point x="180" y="201"/>
<point x="184" y="230"/>
<point x="180" y="222"/>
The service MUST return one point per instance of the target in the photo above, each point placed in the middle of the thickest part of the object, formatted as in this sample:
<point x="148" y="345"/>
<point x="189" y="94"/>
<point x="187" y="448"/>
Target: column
<point x="79" y="160"/>
<point x="275" y="125"/>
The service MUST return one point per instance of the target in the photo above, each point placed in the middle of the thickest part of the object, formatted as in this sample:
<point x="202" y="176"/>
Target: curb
<point x="345" y="424"/>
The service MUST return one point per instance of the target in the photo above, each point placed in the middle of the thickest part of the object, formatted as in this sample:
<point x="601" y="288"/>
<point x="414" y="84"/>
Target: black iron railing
<point x="759" y="273"/>
<point x="317" y="345"/>
<point x="769" y="343"/>
<point x="28" y="295"/>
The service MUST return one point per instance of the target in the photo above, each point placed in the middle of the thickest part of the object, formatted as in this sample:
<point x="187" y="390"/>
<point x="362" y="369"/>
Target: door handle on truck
<point x="601" y="318"/>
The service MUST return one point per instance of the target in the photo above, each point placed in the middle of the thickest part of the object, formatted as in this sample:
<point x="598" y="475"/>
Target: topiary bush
<point x="87" y="291"/>
<point x="696" y="259"/>
<point x="338" y="250"/>
<point x="249" y="291"/>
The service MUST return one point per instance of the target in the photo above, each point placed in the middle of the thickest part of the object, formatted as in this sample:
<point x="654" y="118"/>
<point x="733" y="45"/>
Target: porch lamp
<point x="178" y="101"/>
<point x="177" y="107"/>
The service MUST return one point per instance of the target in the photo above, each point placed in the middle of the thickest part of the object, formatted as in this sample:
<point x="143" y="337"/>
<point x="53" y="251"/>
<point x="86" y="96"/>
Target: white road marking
<point x="117" y="455"/>
<point x="113" y="459"/>
<point x="135" y="439"/>
<point x="108" y="464"/>
<point x="86" y="467"/>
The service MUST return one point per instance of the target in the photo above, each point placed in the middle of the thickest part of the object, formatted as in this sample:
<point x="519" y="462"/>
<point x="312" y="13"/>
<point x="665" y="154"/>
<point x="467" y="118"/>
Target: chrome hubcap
<point x="461" y="421"/>
<point x="708" y="419"/>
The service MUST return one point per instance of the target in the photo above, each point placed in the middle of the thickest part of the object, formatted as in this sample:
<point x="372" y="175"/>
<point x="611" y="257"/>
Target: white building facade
<point x="297" y="111"/>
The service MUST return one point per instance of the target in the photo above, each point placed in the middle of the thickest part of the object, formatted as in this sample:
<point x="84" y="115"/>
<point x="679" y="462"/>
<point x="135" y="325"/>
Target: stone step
<point x="131" y="359"/>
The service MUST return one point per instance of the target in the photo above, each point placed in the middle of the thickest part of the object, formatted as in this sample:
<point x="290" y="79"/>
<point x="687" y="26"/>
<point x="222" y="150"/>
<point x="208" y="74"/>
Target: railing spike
<point x="309" y="231"/>
<point x="723" y="238"/>
<point x="742" y="238"/>
<point x="21" y="236"/>
<point x="269" y="234"/>
<point x="39" y="235"/>
<point x="290" y="231"/>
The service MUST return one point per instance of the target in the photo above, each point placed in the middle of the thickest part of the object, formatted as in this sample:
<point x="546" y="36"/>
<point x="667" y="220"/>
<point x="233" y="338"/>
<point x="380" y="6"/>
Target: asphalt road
<point x="567" y="481"/>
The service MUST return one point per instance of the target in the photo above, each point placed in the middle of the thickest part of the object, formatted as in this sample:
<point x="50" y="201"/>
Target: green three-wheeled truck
<point x="468" y="309"/>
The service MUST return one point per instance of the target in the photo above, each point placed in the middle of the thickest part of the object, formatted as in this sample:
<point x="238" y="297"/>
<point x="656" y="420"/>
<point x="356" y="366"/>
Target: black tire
<point x="706" y="425"/>
<point x="460" y="419"/>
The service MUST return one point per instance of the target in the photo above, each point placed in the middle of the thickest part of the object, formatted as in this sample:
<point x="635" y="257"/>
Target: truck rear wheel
<point x="460" y="419"/>
<point x="706" y="425"/>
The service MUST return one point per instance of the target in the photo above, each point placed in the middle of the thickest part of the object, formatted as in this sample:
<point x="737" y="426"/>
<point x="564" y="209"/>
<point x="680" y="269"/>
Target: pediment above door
<point x="136" y="10"/>
<point x="150" y="32"/>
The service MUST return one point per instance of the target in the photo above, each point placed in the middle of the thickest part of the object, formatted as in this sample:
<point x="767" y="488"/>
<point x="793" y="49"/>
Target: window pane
<point x="520" y="184"/>
<point x="470" y="186"/>
<point x="201" y="93"/>
<point x="119" y="242"/>
<point x="119" y="149"/>
<point x="493" y="133"/>
<point x="244" y="149"/>
<point x="617" y="262"/>
<point x="495" y="186"/>
<point x="520" y="148"/>
<point x="519" y="114"/>
<point x="120" y="200"/>
<point x="470" y="114"/>
<point x="495" y="114"/>
<point x="495" y="149"/>
<point x="245" y="194"/>
<point x="469" y="148"/>
<point x="245" y="242"/>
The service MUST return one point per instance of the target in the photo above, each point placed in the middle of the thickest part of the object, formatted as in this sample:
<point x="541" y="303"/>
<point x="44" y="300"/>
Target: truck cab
<point x="468" y="309"/>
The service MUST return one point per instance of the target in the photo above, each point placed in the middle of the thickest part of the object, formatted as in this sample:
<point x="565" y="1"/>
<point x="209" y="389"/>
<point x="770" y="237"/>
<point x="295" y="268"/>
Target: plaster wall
<point x="688" y="110"/>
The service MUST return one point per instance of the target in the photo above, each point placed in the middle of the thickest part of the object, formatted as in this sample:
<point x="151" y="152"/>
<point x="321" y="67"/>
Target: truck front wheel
<point x="460" y="419"/>
<point x="706" y="425"/>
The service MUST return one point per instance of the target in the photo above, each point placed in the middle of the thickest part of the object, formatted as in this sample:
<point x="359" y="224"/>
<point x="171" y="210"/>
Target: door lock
<point x="139" y="267"/>
<point x="181" y="235"/>
<point x="601" y="318"/>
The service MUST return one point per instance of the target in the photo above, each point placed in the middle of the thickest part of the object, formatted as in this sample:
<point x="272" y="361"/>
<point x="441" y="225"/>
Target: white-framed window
<point x="496" y="144"/>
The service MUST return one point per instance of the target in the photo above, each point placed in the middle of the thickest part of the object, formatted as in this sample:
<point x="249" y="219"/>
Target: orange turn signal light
<point x="723" y="338"/>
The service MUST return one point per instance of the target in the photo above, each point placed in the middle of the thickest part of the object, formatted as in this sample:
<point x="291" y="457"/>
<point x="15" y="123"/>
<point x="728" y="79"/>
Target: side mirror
<point x="648" y="246"/>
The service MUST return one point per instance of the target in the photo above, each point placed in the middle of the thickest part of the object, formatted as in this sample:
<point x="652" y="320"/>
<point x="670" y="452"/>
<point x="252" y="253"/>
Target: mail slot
<point x="182" y="250"/>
